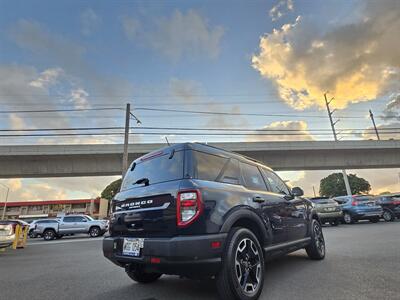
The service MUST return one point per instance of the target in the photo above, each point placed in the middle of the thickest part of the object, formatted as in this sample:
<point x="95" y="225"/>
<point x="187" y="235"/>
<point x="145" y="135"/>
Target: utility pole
<point x="373" y="123"/>
<point x="5" y="203"/>
<point x="313" y="188"/>
<point x="330" y="113"/>
<point x="126" y="139"/>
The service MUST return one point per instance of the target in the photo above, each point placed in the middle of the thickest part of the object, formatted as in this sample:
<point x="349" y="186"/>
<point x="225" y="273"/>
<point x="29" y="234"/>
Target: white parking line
<point x="64" y="241"/>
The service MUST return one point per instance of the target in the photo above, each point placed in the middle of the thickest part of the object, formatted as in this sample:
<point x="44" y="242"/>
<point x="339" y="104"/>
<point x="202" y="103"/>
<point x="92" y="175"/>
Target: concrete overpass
<point x="96" y="160"/>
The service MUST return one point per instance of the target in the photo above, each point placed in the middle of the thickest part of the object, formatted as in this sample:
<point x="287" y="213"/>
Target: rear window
<point x="363" y="198"/>
<point x="323" y="201"/>
<point x="161" y="168"/>
<point x="215" y="168"/>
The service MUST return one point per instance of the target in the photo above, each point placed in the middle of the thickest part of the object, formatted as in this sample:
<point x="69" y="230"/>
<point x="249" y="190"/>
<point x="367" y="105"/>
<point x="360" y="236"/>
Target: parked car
<point x="71" y="224"/>
<point x="33" y="226"/>
<point x="7" y="231"/>
<point x="391" y="206"/>
<point x="198" y="211"/>
<point x="328" y="210"/>
<point x="359" y="207"/>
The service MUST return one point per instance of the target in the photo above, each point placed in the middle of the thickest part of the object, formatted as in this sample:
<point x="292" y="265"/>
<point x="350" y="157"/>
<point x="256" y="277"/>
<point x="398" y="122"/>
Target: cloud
<point x="56" y="188"/>
<point x="33" y="36"/>
<point x="17" y="122"/>
<point x="21" y="85"/>
<point x="47" y="78"/>
<point x="180" y="35"/>
<point x="185" y="90"/>
<point x="355" y="62"/>
<point x="280" y="9"/>
<point x="131" y="27"/>
<point x="90" y="21"/>
<point x="226" y="121"/>
<point x="283" y="131"/>
<point x="79" y="97"/>
<point x="386" y="132"/>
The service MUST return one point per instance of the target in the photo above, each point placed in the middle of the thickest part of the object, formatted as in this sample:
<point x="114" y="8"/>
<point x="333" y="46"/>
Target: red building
<point x="96" y="208"/>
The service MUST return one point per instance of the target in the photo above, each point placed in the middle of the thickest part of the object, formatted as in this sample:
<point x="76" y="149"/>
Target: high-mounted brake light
<point x="188" y="207"/>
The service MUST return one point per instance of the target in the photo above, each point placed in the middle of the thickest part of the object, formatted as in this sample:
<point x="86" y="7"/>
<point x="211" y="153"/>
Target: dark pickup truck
<point x="198" y="211"/>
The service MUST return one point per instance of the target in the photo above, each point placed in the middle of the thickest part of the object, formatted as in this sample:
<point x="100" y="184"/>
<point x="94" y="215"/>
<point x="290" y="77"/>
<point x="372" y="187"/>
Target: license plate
<point x="330" y="209"/>
<point x="132" y="247"/>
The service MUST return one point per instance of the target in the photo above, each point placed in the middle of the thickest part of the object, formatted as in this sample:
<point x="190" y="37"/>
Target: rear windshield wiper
<point x="142" y="180"/>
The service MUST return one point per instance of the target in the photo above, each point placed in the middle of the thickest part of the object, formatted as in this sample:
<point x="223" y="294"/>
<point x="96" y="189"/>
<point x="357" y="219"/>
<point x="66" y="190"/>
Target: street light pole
<point x="5" y="203"/>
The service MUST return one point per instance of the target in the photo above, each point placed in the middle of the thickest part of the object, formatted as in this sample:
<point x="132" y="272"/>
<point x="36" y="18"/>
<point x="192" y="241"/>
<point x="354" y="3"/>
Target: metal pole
<point x="330" y="117"/>
<point x="345" y="178"/>
<point x="373" y="123"/>
<point x="5" y="203"/>
<point x="126" y="140"/>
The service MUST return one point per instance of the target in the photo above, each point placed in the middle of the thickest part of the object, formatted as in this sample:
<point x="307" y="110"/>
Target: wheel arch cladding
<point x="250" y="220"/>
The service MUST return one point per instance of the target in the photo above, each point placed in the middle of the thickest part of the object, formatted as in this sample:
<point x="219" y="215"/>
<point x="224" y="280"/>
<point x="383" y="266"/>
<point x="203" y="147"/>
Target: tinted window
<point x="161" y="168"/>
<point x="69" y="219"/>
<point x="323" y="201"/>
<point x="275" y="183"/>
<point x="252" y="177"/>
<point x="80" y="219"/>
<point x="208" y="166"/>
<point x="215" y="168"/>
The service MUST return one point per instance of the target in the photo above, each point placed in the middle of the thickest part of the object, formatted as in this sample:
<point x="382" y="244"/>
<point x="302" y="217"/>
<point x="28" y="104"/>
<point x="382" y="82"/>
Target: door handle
<point x="258" y="199"/>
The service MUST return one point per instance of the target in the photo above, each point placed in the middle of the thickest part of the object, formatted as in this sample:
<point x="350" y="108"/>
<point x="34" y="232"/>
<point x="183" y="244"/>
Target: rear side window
<point x="160" y="168"/>
<point x="252" y="177"/>
<point x="216" y="168"/>
<point x="276" y="184"/>
<point x="69" y="219"/>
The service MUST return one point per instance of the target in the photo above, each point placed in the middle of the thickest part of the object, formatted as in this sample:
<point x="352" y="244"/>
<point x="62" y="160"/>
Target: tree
<point x="333" y="185"/>
<point x="111" y="189"/>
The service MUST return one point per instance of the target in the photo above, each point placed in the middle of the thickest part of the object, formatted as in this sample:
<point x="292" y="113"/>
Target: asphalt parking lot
<point x="363" y="262"/>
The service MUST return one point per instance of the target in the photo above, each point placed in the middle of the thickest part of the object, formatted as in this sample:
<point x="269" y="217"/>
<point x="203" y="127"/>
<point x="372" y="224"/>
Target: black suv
<point x="391" y="206"/>
<point x="198" y="211"/>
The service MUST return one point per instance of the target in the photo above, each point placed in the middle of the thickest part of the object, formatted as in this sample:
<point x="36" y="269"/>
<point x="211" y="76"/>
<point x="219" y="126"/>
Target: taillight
<point x="188" y="207"/>
<point x="396" y="202"/>
<point x="354" y="203"/>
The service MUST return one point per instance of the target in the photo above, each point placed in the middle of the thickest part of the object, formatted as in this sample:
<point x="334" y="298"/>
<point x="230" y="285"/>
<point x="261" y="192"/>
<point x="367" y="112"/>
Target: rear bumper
<point x="181" y="255"/>
<point x="6" y="241"/>
<point x="331" y="216"/>
<point x="367" y="214"/>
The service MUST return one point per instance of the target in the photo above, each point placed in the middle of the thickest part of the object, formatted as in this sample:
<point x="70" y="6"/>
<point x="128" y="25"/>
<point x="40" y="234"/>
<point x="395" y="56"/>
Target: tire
<point x="242" y="254"/>
<point x="347" y="218"/>
<point x="388" y="216"/>
<point x="32" y="235"/>
<point x="374" y="220"/>
<point x="335" y="223"/>
<point x="94" y="231"/>
<point x="49" y="234"/>
<point x="139" y="275"/>
<point x="316" y="249"/>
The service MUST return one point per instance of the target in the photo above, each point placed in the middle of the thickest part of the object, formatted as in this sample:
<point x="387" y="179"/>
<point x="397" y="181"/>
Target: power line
<point x="236" y="114"/>
<point x="172" y="133"/>
<point x="58" y="110"/>
<point x="192" y="129"/>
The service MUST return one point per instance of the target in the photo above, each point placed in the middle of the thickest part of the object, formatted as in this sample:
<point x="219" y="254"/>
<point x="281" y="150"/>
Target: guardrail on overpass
<point x="96" y="160"/>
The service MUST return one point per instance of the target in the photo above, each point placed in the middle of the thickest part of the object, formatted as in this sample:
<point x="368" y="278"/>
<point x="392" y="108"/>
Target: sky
<point x="271" y="58"/>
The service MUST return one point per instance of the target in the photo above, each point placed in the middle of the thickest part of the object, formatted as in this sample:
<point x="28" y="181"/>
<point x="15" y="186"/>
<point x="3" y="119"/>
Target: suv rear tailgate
<point x="148" y="211"/>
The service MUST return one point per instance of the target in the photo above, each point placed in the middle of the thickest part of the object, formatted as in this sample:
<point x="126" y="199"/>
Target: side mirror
<point x="297" y="192"/>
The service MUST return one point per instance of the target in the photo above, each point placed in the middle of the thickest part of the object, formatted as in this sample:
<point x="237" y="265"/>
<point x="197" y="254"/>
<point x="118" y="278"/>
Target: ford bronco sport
<point x="198" y="211"/>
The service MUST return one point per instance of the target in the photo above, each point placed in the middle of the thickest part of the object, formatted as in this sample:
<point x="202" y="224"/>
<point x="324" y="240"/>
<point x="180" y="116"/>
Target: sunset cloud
<point x="283" y="131"/>
<point x="355" y="62"/>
